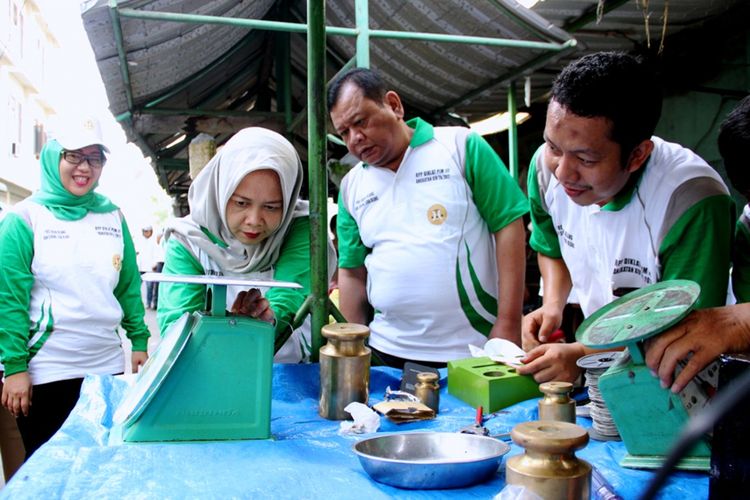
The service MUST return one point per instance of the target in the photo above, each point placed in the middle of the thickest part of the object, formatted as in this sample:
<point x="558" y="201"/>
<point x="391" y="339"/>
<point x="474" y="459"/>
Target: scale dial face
<point x="639" y="314"/>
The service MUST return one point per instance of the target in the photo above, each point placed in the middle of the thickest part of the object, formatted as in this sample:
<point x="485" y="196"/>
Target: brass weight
<point x="344" y="369"/>
<point x="549" y="466"/>
<point x="427" y="389"/>
<point x="556" y="403"/>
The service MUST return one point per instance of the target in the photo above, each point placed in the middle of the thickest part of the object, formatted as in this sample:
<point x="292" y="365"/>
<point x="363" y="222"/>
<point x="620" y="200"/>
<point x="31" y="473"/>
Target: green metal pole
<point x="362" y="17"/>
<point x="512" y="131"/>
<point x="361" y="32"/>
<point x="221" y="113"/>
<point x="231" y="21"/>
<point x="284" y="71"/>
<point x="316" y="168"/>
<point x="440" y="37"/>
<point x="124" y="72"/>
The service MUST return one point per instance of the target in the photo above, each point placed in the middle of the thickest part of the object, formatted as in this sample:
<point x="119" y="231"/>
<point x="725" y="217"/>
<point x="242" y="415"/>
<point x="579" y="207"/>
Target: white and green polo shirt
<point x="425" y="235"/>
<point x="65" y="288"/>
<point x="673" y="222"/>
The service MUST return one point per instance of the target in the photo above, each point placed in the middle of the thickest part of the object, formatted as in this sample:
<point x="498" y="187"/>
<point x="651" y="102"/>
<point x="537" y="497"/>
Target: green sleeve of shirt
<point x="496" y="194"/>
<point x="686" y="252"/>
<point x="128" y="294"/>
<point x="175" y="299"/>
<point x="352" y="251"/>
<point x="741" y="263"/>
<point x="16" y="282"/>
<point x="543" y="235"/>
<point x="293" y="265"/>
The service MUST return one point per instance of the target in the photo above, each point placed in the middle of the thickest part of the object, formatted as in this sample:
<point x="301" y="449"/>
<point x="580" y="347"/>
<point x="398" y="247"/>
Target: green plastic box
<point x="493" y="386"/>
<point x="211" y="381"/>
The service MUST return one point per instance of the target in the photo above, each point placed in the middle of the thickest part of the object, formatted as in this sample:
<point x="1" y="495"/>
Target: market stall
<point x="306" y="456"/>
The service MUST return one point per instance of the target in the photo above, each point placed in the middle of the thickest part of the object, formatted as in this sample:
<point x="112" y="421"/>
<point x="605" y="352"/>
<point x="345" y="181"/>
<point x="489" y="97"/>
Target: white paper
<point x="365" y="420"/>
<point x="500" y="351"/>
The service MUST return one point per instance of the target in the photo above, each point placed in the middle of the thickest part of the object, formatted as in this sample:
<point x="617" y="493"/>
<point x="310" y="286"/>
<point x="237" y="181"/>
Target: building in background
<point x="27" y="50"/>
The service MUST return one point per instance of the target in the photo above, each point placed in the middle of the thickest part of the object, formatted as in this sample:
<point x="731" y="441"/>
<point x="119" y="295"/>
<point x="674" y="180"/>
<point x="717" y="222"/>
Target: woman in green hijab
<point x="68" y="280"/>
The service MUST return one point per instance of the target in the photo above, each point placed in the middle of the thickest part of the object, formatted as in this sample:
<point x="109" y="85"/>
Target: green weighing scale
<point x="648" y="417"/>
<point x="210" y="377"/>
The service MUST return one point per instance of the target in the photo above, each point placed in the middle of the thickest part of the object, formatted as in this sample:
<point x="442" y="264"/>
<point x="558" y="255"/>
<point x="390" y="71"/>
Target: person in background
<point x="68" y="281"/>
<point x="334" y="283"/>
<point x="430" y="229"/>
<point x="246" y="220"/>
<point x="705" y="334"/>
<point x="158" y="267"/>
<point x="615" y="208"/>
<point x="148" y="254"/>
<point x="734" y="147"/>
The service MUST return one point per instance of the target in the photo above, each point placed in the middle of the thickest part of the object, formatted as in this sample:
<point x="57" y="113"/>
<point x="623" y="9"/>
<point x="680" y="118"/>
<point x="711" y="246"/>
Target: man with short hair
<point x="430" y="230"/>
<point x="615" y="208"/>
<point x="734" y="147"/>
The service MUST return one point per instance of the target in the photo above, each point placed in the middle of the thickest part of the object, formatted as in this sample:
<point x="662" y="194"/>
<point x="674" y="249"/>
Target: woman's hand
<point x="251" y="303"/>
<point x="17" y="393"/>
<point x="137" y="359"/>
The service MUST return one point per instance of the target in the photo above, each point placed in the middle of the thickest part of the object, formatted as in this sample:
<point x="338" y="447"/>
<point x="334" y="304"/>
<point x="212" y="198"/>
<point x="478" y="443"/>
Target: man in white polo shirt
<point x="615" y="208"/>
<point x="430" y="230"/>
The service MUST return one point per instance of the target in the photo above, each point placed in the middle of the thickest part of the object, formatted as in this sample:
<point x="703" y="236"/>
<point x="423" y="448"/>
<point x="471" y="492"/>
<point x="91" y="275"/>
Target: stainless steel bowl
<point x="430" y="460"/>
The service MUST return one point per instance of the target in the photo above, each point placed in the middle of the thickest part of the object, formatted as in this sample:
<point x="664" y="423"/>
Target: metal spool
<point x="602" y="424"/>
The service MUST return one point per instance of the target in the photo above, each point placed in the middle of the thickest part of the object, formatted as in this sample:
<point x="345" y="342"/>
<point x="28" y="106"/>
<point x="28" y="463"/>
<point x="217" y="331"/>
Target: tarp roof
<point x="185" y="78"/>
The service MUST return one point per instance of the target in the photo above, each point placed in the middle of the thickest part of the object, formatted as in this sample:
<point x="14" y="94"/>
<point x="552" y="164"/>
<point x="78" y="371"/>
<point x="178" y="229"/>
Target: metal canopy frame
<point x="318" y="302"/>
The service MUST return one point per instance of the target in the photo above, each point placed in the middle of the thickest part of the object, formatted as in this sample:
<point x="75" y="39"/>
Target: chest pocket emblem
<point x="437" y="214"/>
<point x="117" y="262"/>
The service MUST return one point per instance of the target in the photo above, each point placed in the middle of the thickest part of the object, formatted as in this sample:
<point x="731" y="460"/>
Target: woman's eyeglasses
<point x="76" y="158"/>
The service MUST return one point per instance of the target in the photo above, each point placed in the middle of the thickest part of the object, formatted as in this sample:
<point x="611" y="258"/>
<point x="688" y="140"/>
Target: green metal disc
<point x="639" y="314"/>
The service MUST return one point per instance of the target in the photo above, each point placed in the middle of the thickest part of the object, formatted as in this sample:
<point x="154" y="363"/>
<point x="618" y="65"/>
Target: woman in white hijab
<point x="246" y="219"/>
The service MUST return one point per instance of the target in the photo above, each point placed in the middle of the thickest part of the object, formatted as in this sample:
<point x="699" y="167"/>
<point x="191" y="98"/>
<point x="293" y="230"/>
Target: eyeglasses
<point x="76" y="158"/>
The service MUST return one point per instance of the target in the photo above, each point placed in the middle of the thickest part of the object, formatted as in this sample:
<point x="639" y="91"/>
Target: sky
<point x="128" y="178"/>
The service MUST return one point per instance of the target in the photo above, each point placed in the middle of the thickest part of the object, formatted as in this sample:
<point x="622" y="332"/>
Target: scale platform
<point x="210" y="377"/>
<point x="648" y="417"/>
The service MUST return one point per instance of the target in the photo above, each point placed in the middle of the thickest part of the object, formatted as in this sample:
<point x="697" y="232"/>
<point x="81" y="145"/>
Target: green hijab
<point x="62" y="203"/>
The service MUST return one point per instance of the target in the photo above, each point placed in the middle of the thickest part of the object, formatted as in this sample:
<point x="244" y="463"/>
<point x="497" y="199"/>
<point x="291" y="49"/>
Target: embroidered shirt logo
<point x="117" y="262"/>
<point x="435" y="174"/>
<point x="565" y="237"/>
<point x="364" y="201"/>
<point x="437" y="214"/>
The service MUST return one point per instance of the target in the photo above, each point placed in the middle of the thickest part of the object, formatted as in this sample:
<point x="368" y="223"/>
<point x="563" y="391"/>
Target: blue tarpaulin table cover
<point x="306" y="457"/>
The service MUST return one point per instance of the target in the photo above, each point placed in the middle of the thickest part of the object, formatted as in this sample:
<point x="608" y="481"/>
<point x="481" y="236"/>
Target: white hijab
<point x="248" y="150"/>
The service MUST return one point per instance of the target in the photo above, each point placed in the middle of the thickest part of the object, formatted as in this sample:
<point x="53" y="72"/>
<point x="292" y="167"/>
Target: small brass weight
<point x="556" y="404"/>
<point x="549" y="467"/>
<point x="427" y="390"/>
<point x="344" y="369"/>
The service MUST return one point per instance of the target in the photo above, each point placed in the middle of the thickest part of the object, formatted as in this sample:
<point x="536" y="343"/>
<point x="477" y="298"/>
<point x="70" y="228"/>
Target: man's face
<point x="583" y="157"/>
<point x="369" y="127"/>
